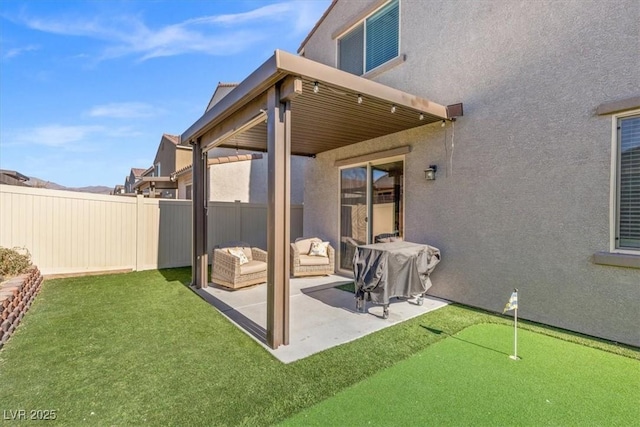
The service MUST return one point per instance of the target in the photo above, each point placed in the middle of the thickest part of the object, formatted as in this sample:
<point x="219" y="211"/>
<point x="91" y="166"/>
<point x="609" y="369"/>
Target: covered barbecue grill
<point x="396" y="269"/>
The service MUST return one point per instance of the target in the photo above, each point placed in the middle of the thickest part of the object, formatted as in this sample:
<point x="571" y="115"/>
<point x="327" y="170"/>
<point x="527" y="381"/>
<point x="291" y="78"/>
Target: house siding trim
<point x="616" y="259"/>
<point x="618" y="106"/>
<point x="613" y="195"/>
<point x="378" y="155"/>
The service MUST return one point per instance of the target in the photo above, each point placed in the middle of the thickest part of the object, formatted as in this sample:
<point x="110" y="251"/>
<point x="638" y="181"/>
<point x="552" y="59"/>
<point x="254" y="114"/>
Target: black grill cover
<point x="396" y="269"/>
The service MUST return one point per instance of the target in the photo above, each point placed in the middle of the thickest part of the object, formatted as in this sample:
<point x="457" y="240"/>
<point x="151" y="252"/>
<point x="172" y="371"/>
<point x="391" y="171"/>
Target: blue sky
<point x="87" y="88"/>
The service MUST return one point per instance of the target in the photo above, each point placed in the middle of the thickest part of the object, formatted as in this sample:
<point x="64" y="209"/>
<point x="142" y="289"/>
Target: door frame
<point x="369" y="199"/>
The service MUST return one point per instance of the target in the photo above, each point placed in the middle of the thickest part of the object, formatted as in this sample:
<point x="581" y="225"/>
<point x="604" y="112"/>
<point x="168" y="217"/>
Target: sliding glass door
<point x="353" y="213"/>
<point x="371" y="205"/>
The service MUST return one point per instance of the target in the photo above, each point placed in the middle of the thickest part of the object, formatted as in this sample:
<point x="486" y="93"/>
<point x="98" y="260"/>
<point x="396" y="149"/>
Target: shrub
<point x="14" y="261"/>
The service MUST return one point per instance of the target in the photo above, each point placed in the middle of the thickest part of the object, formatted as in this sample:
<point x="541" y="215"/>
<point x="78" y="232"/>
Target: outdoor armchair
<point x="304" y="264"/>
<point x="233" y="272"/>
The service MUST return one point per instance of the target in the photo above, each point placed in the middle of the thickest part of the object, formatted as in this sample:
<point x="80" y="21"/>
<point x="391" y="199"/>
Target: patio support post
<point x="278" y="218"/>
<point x="199" y="209"/>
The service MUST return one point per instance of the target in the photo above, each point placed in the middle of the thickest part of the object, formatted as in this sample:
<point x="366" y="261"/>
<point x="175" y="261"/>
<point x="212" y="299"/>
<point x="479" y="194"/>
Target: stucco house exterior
<point x="240" y="176"/>
<point x="527" y="190"/>
<point x="131" y="180"/>
<point x="170" y="157"/>
<point x="535" y="178"/>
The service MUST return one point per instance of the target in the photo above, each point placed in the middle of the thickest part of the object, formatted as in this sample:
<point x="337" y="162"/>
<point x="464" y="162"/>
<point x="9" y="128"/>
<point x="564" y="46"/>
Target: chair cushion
<point x="313" y="260"/>
<point x="247" y="252"/>
<point x="253" y="267"/>
<point x="319" y="249"/>
<point x="240" y="254"/>
<point x="304" y="245"/>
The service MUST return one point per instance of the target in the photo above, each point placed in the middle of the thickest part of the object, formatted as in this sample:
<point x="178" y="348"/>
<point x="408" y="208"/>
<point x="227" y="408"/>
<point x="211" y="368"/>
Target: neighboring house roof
<point x="148" y="171"/>
<point x="137" y="172"/>
<point x="221" y="91"/>
<point x="173" y="138"/>
<point x="315" y="27"/>
<point x="10" y="177"/>
<point x="223" y="159"/>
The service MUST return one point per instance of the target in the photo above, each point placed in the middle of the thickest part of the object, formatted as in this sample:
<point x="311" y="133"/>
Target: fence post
<point x="139" y="231"/>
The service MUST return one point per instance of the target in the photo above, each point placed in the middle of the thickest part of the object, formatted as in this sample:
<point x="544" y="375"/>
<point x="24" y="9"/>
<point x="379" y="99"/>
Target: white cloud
<point x="125" y="110"/>
<point x="277" y="11"/>
<point x="218" y="35"/>
<point x="12" y="53"/>
<point x="58" y="135"/>
<point x="71" y="138"/>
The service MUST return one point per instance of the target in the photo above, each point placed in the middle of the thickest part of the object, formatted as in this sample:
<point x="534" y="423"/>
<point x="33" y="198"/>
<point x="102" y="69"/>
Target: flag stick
<point x="515" y="335"/>
<point x="513" y="305"/>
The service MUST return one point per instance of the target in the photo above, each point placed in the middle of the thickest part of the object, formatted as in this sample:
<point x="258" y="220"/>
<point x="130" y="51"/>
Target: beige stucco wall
<point x="184" y="157"/>
<point x="524" y="200"/>
<point x="246" y="181"/>
<point x="166" y="156"/>
<point x="184" y="180"/>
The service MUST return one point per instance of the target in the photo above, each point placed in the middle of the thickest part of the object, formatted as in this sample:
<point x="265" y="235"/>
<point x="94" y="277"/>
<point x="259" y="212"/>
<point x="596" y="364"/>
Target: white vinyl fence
<point x="68" y="232"/>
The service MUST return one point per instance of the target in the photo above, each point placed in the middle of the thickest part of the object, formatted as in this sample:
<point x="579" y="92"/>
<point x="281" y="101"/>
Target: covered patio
<point x="292" y="105"/>
<point x="322" y="315"/>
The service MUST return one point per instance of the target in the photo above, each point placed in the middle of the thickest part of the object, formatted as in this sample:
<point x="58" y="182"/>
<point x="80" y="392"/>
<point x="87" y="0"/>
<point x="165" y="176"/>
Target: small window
<point x="371" y="43"/>
<point x="628" y="183"/>
<point x="156" y="172"/>
<point x="188" y="191"/>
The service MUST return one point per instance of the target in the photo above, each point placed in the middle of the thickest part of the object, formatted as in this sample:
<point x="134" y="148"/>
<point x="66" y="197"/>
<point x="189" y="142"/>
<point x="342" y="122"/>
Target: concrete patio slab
<point x="321" y="316"/>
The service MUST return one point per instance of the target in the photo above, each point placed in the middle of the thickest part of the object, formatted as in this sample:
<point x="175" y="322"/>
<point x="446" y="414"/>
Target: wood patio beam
<point x="291" y="88"/>
<point x="240" y="121"/>
<point x="278" y="218"/>
<point x="199" y="264"/>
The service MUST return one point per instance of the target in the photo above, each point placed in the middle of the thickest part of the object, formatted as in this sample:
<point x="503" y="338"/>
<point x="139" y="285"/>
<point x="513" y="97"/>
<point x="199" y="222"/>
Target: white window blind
<point x="350" y="48"/>
<point x="383" y="35"/>
<point x="629" y="183"/>
<point x="381" y="31"/>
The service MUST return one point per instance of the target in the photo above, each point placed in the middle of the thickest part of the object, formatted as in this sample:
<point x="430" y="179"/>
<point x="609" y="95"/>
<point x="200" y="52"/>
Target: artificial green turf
<point x="349" y="287"/>
<point x="468" y="379"/>
<point x="142" y="348"/>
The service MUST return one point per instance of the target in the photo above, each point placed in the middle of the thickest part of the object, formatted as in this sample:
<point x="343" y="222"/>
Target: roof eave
<point x="300" y="66"/>
<point x="315" y="27"/>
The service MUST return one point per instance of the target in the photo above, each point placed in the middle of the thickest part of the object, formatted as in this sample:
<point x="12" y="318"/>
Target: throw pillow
<point x="319" y="249"/>
<point x="239" y="253"/>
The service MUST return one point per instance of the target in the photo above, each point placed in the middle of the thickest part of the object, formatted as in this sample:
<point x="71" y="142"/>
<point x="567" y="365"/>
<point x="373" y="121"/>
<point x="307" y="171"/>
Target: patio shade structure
<point x="292" y="105"/>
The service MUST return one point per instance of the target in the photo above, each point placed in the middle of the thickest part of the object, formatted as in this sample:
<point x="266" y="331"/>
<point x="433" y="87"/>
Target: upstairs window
<point x="372" y="42"/>
<point x="628" y="178"/>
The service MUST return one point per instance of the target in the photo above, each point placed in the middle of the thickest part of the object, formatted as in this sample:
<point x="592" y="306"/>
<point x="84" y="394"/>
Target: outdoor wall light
<point x="430" y="173"/>
<point x="316" y="87"/>
<point x="421" y="116"/>
<point x="359" y="99"/>
<point x="393" y="109"/>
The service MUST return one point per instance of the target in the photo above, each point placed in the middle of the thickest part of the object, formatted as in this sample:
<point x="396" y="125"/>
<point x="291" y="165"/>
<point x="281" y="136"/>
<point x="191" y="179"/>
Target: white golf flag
<point x="513" y="302"/>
